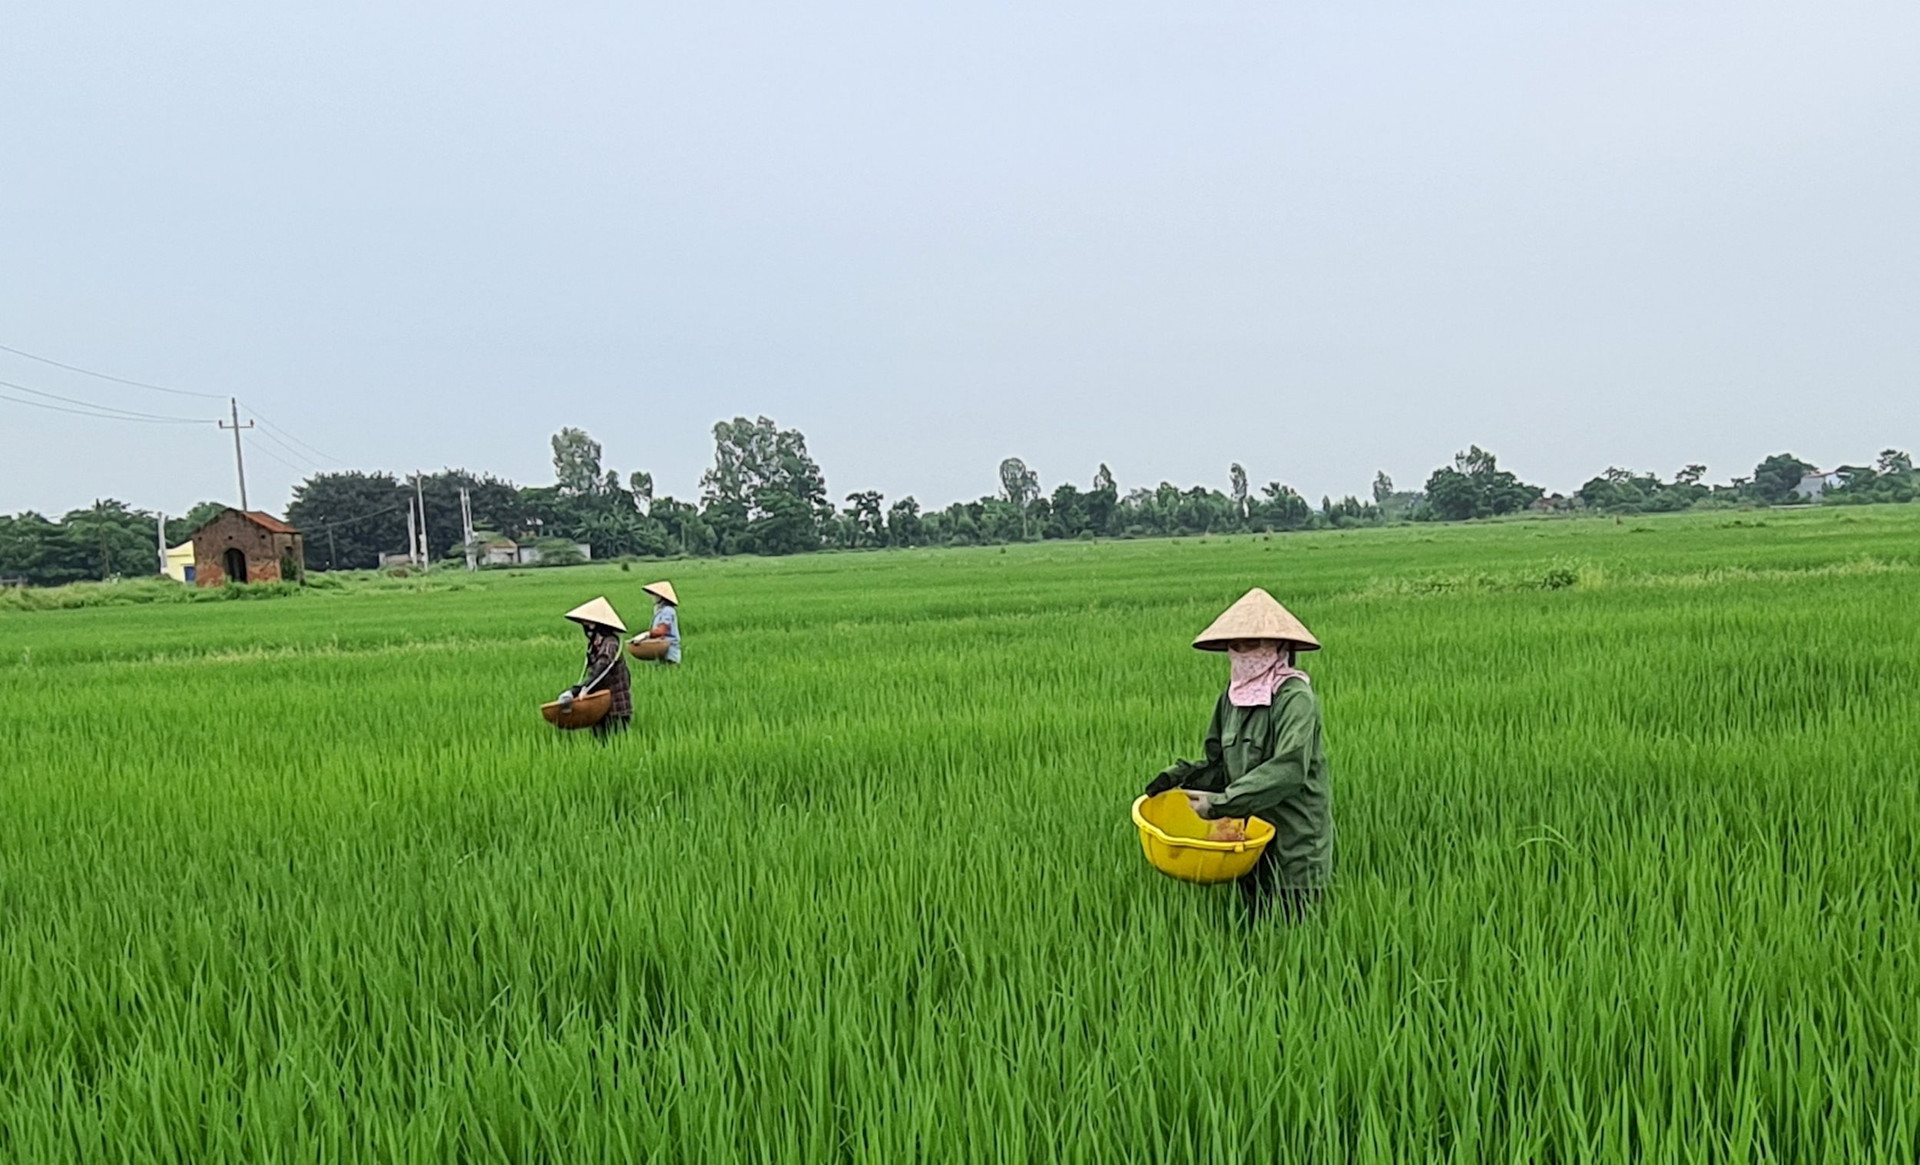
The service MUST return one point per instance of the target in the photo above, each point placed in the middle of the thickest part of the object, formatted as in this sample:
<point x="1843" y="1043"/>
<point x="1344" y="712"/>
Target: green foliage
<point x="576" y="462"/>
<point x="1776" y="480"/>
<point x="1623" y="491"/>
<point x="105" y="540"/>
<point x="1623" y="866"/>
<point x="1475" y="486"/>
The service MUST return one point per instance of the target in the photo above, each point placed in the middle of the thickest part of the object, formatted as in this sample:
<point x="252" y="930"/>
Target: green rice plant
<point x="1624" y="866"/>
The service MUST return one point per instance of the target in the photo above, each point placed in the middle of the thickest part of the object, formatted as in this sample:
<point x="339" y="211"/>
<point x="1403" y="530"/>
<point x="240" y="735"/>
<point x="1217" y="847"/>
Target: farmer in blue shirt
<point x="665" y="628"/>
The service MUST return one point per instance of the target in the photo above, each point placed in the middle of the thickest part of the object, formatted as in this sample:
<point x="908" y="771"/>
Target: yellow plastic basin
<point x="1175" y="840"/>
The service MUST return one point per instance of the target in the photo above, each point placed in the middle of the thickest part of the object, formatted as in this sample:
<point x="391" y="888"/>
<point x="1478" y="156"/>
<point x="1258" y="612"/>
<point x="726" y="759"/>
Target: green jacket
<point x="1270" y="763"/>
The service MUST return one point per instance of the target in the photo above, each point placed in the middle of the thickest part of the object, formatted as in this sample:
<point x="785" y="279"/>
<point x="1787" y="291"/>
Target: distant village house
<point x="247" y="546"/>
<point x="1815" y="484"/>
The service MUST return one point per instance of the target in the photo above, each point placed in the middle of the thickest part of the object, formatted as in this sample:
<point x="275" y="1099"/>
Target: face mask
<point x="1257" y="673"/>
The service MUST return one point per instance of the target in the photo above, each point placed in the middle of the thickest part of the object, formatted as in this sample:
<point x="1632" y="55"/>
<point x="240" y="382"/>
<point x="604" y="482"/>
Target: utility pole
<point x="420" y="496"/>
<point x="160" y="520"/>
<point x="333" y="554"/>
<point x="413" y="543"/>
<point x="466" y="526"/>
<point x="239" y="465"/>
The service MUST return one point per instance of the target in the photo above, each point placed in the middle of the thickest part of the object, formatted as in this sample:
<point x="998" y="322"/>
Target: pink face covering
<point x="1258" y="674"/>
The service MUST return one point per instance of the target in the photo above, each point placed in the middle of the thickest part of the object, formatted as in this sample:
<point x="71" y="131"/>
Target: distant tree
<point x="1475" y="486"/>
<point x="1100" y="505"/>
<point x="1893" y="461"/>
<point x="107" y="540"/>
<point x="759" y="470"/>
<point x="640" y="485"/>
<point x="1066" y="512"/>
<point x="1350" y="511"/>
<point x="1281" y="508"/>
<point x="349" y="519"/>
<point x="576" y="461"/>
<point x="687" y="532"/>
<point x="869" y="520"/>
<point x="1691" y="475"/>
<point x="904" y="527"/>
<point x="1382" y="488"/>
<point x="38" y="550"/>
<point x="1777" y="479"/>
<point x="1018" y="484"/>
<point x="1238" y="479"/>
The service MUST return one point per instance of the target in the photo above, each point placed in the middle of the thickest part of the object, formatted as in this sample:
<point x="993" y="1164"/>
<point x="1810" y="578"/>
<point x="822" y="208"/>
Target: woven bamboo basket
<point x="648" y="649"/>
<point x="587" y="711"/>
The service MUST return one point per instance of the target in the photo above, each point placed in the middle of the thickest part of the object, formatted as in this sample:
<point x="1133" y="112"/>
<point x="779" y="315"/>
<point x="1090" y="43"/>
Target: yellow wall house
<point x="180" y="562"/>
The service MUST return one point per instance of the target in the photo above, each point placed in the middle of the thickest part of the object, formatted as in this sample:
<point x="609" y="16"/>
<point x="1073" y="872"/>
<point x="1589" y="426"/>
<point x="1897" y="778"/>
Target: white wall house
<point x="1815" y="484"/>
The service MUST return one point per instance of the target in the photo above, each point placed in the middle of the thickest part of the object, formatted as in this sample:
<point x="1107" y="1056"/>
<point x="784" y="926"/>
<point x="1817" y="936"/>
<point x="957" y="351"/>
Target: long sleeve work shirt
<point x="1269" y="762"/>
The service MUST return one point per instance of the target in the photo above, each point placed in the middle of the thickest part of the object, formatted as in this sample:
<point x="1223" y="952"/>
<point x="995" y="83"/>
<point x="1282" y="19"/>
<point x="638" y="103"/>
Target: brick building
<point x="247" y="546"/>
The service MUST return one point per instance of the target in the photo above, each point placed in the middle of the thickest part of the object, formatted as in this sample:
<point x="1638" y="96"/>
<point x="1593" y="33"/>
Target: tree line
<point x="765" y="494"/>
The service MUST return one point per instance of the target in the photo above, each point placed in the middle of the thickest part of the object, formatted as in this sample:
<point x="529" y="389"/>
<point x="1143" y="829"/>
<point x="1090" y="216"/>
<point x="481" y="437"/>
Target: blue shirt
<point x="670" y="615"/>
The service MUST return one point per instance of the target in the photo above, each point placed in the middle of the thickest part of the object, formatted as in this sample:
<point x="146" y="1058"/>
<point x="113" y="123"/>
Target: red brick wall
<point x="262" y="547"/>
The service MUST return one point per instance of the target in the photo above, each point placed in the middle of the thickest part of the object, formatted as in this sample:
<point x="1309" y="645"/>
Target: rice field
<point x="1627" y="816"/>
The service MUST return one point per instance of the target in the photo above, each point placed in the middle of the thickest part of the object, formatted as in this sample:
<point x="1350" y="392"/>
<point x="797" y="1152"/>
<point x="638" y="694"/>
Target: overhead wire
<point x="109" y="375"/>
<point x="288" y="448"/>
<point x="266" y="452"/>
<point x="361" y="518"/>
<point x="325" y="457"/>
<point x="97" y="411"/>
<point x="318" y="458"/>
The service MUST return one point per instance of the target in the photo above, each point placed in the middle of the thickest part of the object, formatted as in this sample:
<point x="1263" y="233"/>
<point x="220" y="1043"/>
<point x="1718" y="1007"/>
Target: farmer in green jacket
<point x="1264" y="755"/>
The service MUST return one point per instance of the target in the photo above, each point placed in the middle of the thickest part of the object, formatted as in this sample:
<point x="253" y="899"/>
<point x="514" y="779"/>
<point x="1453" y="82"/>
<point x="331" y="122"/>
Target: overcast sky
<point x="1319" y="240"/>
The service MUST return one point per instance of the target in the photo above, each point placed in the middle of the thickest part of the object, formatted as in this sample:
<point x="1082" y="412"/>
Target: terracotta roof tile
<point x="261" y="518"/>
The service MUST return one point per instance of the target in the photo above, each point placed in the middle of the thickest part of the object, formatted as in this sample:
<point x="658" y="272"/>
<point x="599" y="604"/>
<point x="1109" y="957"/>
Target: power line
<point x="108" y="375"/>
<point x="261" y="449"/>
<point x="351" y="521"/>
<point x="128" y="414"/>
<point x="290" y="449"/>
<point x="140" y="418"/>
<point x="325" y="458"/>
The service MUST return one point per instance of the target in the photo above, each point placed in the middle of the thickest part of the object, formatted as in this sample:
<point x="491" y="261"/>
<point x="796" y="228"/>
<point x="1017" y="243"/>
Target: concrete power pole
<point x="466" y="526"/>
<point x="419" y="495"/>
<point x="239" y="464"/>
<point x="413" y="543"/>
<point x="160" y="520"/>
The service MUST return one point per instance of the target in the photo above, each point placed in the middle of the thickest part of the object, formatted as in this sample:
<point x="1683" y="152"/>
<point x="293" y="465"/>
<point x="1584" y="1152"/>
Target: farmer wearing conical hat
<point x="606" y="668"/>
<point x="666" y="620"/>
<point x="1264" y="754"/>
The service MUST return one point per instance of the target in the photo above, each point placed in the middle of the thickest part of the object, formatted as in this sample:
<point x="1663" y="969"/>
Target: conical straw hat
<point x="1258" y="615"/>
<point x="599" y="612"/>
<point x="662" y="590"/>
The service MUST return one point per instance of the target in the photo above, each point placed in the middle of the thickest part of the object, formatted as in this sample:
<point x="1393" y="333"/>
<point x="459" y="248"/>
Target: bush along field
<point x="1627" y="824"/>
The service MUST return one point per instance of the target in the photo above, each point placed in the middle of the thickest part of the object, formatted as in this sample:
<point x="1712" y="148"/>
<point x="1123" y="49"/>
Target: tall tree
<point x="111" y="540"/>
<point x="1777" y="479"/>
<point x="348" y="519"/>
<point x="1237" y="476"/>
<point x="1382" y="488"/>
<point x="1475" y="486"/>
<point x="1102" y="503"/>
<point x="762" y="477"/>
<point x="904" y="525"/>
<point x="869" y="520"/>
<point x="576" y="461"/>
<point x="1893" y="461"/>
<point x="1018" y="484"/>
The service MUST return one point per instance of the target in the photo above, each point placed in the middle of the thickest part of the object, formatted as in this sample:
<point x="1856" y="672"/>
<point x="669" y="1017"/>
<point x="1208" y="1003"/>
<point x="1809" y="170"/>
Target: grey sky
<point x="1319" y="240"/>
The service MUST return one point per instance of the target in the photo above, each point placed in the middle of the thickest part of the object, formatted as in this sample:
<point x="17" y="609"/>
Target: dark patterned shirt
<point x="602" y="651"/>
